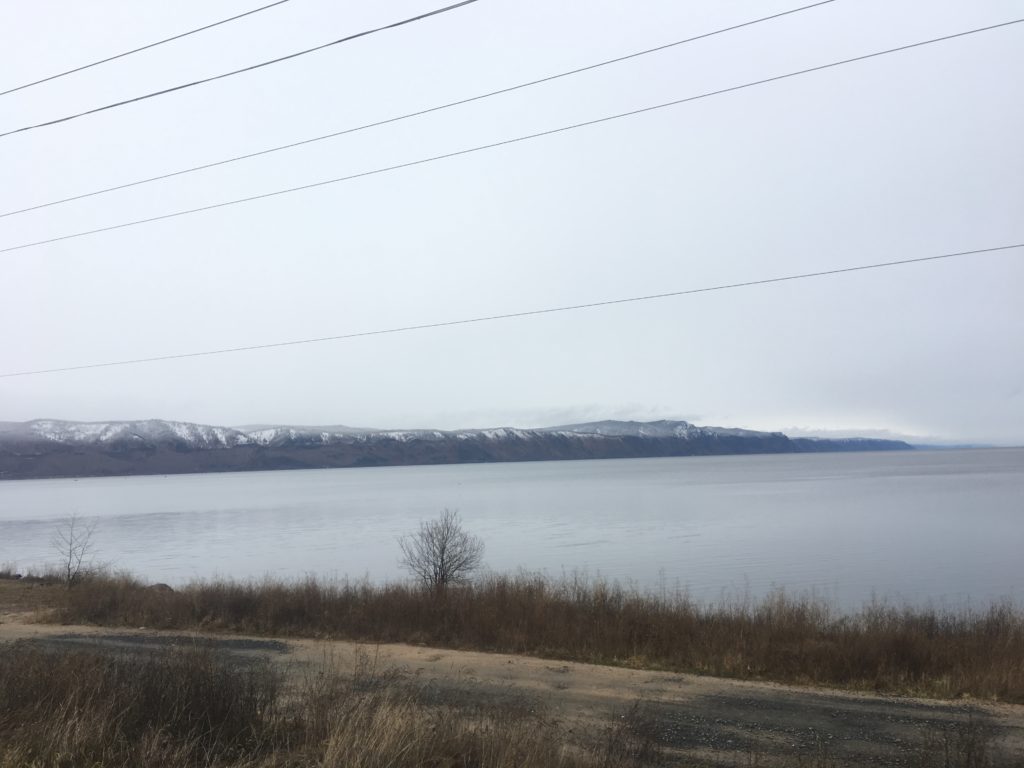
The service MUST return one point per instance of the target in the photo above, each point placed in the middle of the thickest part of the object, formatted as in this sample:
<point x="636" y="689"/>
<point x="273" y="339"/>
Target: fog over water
<point x="917" y="526"/>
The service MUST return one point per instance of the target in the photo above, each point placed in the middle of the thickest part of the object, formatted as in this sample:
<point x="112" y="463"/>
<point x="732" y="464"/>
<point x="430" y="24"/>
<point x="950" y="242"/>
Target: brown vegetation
<point x="930" y="652"/>
<point x="197" y="708"/>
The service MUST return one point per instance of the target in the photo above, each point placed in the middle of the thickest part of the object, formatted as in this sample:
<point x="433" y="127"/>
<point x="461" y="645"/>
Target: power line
<point x="502" y="143"/>
<point x="418" y="113"/>
<point x="142" y="48"/>
<point x="278" y="60"/>
<point x="514" y="315"/>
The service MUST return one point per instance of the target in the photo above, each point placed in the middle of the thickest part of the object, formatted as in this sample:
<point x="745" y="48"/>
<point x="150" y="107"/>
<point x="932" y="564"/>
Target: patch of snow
<point x="629" y="429"/>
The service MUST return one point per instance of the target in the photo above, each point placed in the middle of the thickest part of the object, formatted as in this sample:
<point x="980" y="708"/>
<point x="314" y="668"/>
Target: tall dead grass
<point x="80" y="708"/>
<point x="199" y="708"/>
<point x="924" y="651"/>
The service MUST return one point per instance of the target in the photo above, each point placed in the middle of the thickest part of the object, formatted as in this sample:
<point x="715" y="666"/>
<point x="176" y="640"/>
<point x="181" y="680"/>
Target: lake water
<point x="944" y="527"/>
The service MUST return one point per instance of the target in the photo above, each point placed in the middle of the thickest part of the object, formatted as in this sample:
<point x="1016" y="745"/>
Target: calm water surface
<point x="925" y="526"/>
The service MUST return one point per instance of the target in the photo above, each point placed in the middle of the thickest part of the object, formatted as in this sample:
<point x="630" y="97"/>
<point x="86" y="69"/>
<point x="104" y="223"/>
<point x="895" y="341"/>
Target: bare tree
<point x="441" y="552"/>
<point x="72" y="541"/>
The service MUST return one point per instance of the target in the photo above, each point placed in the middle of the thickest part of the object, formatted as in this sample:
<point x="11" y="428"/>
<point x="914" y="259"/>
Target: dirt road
<point x="710" y="720"/>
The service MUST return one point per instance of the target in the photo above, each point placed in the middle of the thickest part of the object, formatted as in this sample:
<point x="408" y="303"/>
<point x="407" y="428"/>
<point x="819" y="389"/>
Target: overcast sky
<point x="910" y="155"/>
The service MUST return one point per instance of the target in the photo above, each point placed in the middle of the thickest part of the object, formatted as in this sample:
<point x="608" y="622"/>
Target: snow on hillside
<point x="151" y="430"/>
<point x="154" y="431"/>
<point x="656" y="429"/>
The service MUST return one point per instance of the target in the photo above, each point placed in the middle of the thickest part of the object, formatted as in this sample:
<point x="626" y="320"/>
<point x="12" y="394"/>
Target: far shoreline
<point x="901" y="451"/>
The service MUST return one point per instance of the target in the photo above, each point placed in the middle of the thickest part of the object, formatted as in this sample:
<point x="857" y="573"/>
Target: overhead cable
<point x="514" y="315"/>
<point x="418" y="113"/>
<point x="504" y="142"/>
<point x="142" y="48"/>
<point x="250" y="68"/>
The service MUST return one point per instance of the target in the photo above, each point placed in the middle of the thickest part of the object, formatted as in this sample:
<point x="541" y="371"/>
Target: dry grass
<point x="9" y="571"/>
<point x="196" y="708"/>
<point x="199" y="708"/>
<point x="78" y="708"/>
<point x="883" y="648"/>
<point x="25" y="595"/>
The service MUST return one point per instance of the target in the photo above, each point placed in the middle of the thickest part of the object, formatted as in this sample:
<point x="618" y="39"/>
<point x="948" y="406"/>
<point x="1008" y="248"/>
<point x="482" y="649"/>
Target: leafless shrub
<point x="441" y="552"/>
<point x="73" y="543"/>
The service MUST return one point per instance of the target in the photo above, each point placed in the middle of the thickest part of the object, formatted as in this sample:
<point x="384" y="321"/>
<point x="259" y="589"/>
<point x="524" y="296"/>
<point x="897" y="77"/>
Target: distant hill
<point x="48" y="448"/>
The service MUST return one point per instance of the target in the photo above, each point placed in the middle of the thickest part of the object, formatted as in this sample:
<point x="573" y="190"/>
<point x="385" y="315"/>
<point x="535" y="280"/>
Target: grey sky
<point x="910" y="155"/>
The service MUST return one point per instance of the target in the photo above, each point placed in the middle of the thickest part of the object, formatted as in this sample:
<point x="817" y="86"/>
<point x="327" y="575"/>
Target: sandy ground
<point x="695" y="719"/>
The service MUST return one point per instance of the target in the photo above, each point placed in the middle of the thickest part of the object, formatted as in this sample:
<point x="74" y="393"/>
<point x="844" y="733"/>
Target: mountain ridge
<point x="57" y="448"/>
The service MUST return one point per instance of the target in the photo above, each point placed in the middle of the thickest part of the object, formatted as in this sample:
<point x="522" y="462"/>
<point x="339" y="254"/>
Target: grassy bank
<point x="937" y="653"/>
<point x="198" y="708"/>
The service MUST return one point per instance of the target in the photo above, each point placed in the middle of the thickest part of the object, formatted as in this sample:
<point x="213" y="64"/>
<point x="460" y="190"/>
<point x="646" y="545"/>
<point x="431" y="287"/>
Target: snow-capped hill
<point x="276" y="435"/>
<point x="71" y="432"/>
<point x="736" y="432"/>
<point x="51" y="448"/>
<point x="497" y="433"/>
<point x="405" y="435"/>
<point x="149" y="431"/>
<point x="269" y="434"/>
<point x="654" y="429"/>
<point x="657" y="429"/>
